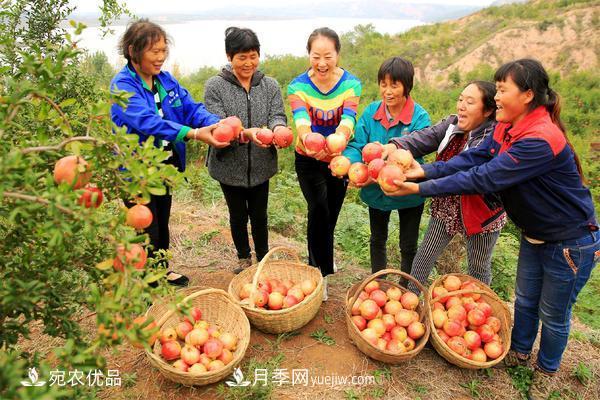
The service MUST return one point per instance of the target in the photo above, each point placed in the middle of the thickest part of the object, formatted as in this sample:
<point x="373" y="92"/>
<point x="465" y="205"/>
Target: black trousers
<point x="410" y="218"/>
<point x="243" y="204"/>
<point x="324" y="194"/>
<point x="158" y="231"/>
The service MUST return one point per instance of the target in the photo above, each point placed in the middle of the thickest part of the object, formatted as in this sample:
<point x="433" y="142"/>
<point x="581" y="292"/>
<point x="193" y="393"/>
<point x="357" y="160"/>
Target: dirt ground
<point x="203" y="250"/>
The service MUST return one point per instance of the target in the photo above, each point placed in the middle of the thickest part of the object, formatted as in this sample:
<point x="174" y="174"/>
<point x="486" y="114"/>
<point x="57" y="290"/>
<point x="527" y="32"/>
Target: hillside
<point x="562" y="34"/>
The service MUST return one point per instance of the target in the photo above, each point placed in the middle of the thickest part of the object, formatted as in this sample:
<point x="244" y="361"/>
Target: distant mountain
<point x="387" y="9"/>
<point x="503" y="2"/>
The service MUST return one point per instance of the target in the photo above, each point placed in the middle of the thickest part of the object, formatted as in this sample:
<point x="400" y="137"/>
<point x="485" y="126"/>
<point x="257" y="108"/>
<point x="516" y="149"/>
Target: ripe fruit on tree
<point x="91" y="197"/>
<point x="139" y="217"/>
<point x="136" y="256"/>
<point x="73" y="170"/>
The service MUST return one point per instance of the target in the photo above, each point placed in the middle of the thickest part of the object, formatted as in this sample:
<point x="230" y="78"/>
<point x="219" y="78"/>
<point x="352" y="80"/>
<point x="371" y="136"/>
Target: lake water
<point x="201" y="42"/>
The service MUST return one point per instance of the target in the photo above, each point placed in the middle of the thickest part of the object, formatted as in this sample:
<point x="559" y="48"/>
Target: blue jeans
<point x="549" y="278"/>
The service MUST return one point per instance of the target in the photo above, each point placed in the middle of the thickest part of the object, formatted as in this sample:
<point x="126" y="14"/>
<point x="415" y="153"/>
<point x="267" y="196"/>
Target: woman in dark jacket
<point x="478" y="217"/>
<point x="531" y="164"/>
<point x="244" y="168"/>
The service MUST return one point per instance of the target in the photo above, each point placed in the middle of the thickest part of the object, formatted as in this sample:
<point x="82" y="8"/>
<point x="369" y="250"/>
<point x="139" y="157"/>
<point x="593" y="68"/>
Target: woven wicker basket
<point x="355" y="335"/>
<point x="499" y="310"/>
<point x="217" y="308"/>
<point x="287" y="319"/>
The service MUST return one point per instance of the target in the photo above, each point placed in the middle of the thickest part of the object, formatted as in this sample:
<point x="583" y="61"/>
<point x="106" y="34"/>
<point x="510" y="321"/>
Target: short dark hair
<point x="140" y="35"/>
<point x="240" y="40"/>
<point x="488" y="92"/>
<point x="399" y="70"/>
<point x="325" y="32"/>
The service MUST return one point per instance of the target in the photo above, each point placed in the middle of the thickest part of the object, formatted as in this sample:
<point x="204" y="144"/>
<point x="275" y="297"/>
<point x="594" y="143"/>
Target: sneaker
<point x="543" y="386"/>
<point x="514" y="359"/>
<point x="243" y="263"/>
<point x="325" y="295"/>
<point x="176" y="279"/>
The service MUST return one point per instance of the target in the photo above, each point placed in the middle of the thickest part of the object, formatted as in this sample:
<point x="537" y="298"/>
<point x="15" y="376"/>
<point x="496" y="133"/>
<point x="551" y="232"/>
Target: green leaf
<point x="157" y="190"/>
<point x="104" y="265"/>
<point x="67" y="103"/>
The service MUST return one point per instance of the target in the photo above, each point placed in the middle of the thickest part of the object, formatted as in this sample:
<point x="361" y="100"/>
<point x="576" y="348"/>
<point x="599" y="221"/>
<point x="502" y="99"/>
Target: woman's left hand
<point x="404" y="189"/>
<point x="250" y="133"/>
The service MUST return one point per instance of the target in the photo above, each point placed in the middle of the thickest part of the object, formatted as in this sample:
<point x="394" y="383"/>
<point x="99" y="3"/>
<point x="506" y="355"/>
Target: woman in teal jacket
<point x="396" y="114"/>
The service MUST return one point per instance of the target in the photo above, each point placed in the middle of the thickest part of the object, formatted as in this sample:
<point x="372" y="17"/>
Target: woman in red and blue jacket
<point x="530" y="163"/>
<point x="161" y="110"/>
<point x="479" y="218"/>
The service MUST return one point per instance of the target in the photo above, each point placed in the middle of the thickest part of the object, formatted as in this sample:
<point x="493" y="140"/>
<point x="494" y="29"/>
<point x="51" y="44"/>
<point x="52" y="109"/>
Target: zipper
<point x="249" y="126"/>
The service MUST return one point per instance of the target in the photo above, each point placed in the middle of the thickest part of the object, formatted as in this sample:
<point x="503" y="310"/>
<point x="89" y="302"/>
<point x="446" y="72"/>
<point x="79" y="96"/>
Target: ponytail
<point x="553" y="105"/>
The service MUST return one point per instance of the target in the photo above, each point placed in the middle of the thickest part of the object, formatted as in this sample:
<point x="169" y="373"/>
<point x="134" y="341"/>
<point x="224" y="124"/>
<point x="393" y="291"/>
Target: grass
<point x="472" y="387"/>
<point x="320" y="335"/>
<point x="583" y="373"/>
<point x="521" y="379"/>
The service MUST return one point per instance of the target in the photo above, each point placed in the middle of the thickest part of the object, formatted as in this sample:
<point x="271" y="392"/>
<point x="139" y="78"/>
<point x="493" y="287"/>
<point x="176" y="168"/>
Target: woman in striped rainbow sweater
<point x="324" y="100"/>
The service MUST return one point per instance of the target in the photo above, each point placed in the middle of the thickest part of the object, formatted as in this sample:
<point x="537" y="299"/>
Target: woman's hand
<point x="415" y="171"/>
<point x="387" y="149"/>
<point x="368" y="182"/>
<point x="404" y="189"/>
<point x="319" y="155"/>
<point x="205" y="134"/>
<point x="250" y="134"/>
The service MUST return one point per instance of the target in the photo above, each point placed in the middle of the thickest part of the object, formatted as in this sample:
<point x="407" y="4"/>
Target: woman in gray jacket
<point x="244" y="168"/>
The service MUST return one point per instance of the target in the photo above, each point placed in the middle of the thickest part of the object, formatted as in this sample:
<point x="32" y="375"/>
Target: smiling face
<point x="511" y="103"/>
<point x="323" y="58"/>
<point x="392" y="92"/>
<point x="470" y="108"/>
<point x="244" y="64"/>
<point x="152" y="59"/>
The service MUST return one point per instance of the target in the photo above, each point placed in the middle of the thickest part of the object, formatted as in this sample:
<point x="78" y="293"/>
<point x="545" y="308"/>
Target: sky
<point x="174" y="6"/>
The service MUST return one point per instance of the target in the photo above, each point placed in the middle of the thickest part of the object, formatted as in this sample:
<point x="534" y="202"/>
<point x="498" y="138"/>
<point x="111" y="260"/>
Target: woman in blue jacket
<point x="395" y="115"/>
<point x="530" y="163"/>
<point x="160" y="109"/>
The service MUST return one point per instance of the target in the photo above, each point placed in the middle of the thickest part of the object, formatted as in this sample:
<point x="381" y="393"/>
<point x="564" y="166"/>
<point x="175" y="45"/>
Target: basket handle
<point x="191" y="296"/>
<point x="389" y="271"/>
<point x="261" y="264"/>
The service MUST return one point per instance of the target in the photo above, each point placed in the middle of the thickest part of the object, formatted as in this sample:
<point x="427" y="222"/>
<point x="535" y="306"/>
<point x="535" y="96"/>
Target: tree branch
<point x="36" y="199"/>
<point x="56" y="107"/>
<point x="62" y="144"/>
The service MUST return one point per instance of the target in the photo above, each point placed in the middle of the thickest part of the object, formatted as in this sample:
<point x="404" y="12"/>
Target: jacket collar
<point x="480" y="130"/>
<point x="405" y="117"/>
<point x="521" y="128"/>
<point x="227" y="74"/>
<point x="165" y="79"/>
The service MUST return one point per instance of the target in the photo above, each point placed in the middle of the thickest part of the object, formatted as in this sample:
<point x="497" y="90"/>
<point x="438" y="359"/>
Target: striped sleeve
<point x="298" y="105"/>
<point x="350" y="107"/>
